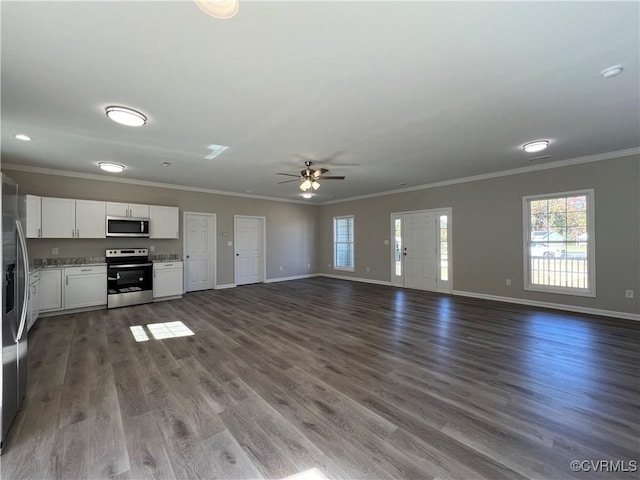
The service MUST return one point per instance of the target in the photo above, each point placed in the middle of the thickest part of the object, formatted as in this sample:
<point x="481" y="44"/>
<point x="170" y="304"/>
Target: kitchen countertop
<point x="61" y="262"/>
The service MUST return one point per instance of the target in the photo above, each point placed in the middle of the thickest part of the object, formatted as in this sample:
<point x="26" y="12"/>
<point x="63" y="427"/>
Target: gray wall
<point x="488" y="231"/>
<point x="291" y="228"/>
<point x="487" y="228"/>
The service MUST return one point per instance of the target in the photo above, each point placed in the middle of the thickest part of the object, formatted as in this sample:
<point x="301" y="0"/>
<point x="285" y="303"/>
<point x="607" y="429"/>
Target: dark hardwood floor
<point x="359" y="381"/>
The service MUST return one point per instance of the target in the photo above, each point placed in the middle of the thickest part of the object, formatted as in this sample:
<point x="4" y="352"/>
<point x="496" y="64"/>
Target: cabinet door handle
<point x="66" y="279"/>
<point x="38" y="233"/>
<point x="154" y="274"/>
<point x="168" y="264"/>
<point x="73" y="233"/>
<point x="86" y="269"/>
<point x="78" y="233"/>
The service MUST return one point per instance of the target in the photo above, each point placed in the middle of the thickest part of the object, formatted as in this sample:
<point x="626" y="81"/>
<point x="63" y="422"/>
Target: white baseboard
<point x="556" y="306"/>
<point x="294" y="277"/>
<point x="356" y="279"/>
<point x="228" y="285"/>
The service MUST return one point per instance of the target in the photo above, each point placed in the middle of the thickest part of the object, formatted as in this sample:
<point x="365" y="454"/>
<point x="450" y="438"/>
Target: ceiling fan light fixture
<point x="306" y="185"/>
<point x="22" y="136"/>
<point x="537" y="146"/>
<point x="111" y="167"/>
<point x="611" y="71"/>
<point x="315" y="185"/>
<point x="222" y="9"/>
<point x="126" y="116"/>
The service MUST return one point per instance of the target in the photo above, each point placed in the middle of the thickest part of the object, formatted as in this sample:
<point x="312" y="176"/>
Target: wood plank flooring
<point x="355" y="380"/>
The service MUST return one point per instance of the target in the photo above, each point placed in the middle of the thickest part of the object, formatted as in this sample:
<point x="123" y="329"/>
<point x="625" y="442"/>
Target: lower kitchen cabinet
<point x="167" y="279"/>
<point x="33" y="307"/>
<point x="85" y="287"/>
<point x="50" y="289"/>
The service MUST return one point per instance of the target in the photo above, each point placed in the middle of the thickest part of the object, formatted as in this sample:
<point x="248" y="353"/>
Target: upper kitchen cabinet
<point x="34" y="217"/>
<point x="90" y="219"/>
<point x="68" y="218"/>
<point x="58" y="218"/>
<point x="163" y="222"/>
<point x="115" y="209"/>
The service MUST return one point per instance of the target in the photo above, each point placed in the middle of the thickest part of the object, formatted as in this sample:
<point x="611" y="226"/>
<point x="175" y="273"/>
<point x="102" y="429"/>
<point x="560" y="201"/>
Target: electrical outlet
<point x="230" y="243"/>
<point x="329" y="265"/>
<point x="308" y="265"/>
<point x="280" y="267"/>
<point x="628" y="294"/>
<point x="386" y="242"/>
<point x="368" y="269"/>
<point x="508" y="282"/>
<point x="152" y="248"/>
<point x="54" y="251"/>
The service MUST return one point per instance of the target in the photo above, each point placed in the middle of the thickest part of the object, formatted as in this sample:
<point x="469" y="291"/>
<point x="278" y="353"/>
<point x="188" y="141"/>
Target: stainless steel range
<point x="129" y="277"/>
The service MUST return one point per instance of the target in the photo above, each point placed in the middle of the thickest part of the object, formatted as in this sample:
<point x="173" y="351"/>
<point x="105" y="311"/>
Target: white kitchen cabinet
<point x="90" y="219"/>
<point x="34" y="216"/>
<point x="50" y="289"/>
<point x="135" y="210"/>
<point x="85" y="286"/>
<point x="58" y="218"/>
<point x="163" y="222"/>
<point x="33" y="307"/>
<point x="167" y="279"/>
<point x="69" y="218"/>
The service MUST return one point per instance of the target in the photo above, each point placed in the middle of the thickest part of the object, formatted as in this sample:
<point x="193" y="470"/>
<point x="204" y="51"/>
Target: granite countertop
<point x="60" y="262"/>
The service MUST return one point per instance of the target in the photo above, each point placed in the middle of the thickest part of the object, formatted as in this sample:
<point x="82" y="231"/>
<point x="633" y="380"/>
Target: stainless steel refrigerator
<point x="15" y="290"/>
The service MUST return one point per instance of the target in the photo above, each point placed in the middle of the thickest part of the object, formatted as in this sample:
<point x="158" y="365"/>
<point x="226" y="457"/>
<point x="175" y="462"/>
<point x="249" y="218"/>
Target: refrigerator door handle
<point x="25" y="300"/>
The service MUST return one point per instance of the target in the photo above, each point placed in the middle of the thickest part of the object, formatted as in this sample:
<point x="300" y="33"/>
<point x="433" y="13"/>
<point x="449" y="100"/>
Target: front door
<point x="249" y="232"/>
<point x="419" y="250"/>
<point x="199" y="253"/>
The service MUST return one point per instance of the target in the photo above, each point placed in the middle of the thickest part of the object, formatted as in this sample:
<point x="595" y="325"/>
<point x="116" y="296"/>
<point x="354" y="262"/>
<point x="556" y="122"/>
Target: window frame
<point x="589" y="194"/>
<point x="353" y="243"/>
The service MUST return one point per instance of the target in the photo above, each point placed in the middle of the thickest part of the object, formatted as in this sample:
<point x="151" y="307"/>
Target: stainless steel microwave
<point x="127" y="227"/>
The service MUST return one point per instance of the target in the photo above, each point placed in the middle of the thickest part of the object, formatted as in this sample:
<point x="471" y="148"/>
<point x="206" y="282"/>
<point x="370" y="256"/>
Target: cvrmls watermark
<point x="600" y="466"/>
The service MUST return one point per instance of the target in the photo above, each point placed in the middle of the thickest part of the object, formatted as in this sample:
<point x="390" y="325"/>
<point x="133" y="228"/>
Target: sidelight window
<point x="343" y="242"/>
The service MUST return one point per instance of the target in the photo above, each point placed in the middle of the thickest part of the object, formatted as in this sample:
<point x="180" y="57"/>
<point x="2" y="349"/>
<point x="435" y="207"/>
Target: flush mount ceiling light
<point x="126" y="116"/>
<point x="537" y="146"/>
<point x="215" y="151"/>
<point x="307" y="195"/>
<point x="22" y="136"/>
<point x="111" y="167"/>
<point x="219" y="8"/>
<point x="612" y="71"/>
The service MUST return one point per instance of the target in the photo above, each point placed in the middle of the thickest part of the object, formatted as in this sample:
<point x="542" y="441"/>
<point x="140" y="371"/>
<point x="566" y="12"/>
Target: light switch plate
<point x="230" y="243"/>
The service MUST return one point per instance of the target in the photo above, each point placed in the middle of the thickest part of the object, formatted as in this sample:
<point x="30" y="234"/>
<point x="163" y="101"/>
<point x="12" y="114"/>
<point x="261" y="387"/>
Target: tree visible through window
<point x="343" y="243"/>
<point x="558" y="242"/>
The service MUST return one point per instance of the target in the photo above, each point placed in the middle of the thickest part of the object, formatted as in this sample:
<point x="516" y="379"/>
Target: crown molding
<point x="474" y="178"/>
<point x="503" y="173"/>
<point x="131" y="181"/>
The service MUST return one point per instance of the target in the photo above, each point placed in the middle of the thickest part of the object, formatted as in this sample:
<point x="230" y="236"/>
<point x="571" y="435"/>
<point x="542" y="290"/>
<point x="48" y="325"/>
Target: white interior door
<point x="249" y="238"/>
<point x="199" y="261"/>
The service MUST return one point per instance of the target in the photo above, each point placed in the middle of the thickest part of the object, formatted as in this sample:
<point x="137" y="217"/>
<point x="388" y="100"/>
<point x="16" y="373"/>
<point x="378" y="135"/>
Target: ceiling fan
<point x="309" y="177"/>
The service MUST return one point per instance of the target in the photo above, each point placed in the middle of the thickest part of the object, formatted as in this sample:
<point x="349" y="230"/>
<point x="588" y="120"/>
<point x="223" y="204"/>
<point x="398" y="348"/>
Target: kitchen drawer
<point x="85" y="270"/>
<point x="167" y="265"/>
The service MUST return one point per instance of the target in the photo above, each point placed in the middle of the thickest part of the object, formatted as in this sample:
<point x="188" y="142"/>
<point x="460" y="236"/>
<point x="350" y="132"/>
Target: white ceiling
<point x="413" y="92"/>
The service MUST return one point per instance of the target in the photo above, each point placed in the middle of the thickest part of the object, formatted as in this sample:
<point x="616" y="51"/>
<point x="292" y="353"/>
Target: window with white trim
<point x="559" y="243"/>
<point x="343" y="240"/>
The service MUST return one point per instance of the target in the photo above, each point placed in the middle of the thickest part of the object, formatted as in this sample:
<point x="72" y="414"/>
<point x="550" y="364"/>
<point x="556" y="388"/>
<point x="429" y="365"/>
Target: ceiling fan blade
<point x="288" y="174"/>
<point x="288" y="181"/>
<point x="332" y="178"/>
<point x="320" y="172"/>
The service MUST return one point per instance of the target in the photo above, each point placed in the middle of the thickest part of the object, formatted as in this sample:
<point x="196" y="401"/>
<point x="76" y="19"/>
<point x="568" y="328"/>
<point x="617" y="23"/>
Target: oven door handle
<point x="132" y="265"/>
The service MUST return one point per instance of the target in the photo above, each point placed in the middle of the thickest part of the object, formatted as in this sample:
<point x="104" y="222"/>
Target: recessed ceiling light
<point x="22" y="136"/>
<point x="219" y="8"/>
<point x="537" y="146"/>
<point x="612" y="71"/>
<point x="165" y="164"/>
<point x="126" y="116"/>
<point x="307" y="195"/>
<point x="111" y="167"/>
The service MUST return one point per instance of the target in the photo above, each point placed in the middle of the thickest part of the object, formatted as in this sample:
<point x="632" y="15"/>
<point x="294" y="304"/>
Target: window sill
<point x="560" y="291"/>
<point x="345" y="269"/>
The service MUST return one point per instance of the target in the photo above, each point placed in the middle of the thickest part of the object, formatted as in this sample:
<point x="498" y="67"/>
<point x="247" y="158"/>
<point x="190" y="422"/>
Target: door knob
<point x="237" y="254"/>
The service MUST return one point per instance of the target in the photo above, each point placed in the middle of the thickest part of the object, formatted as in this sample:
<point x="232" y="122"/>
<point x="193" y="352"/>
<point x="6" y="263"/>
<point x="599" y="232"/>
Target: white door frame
<point x="212" y="248"/>
<point x="263" y="247"/>
<point x="443" y="287"/>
